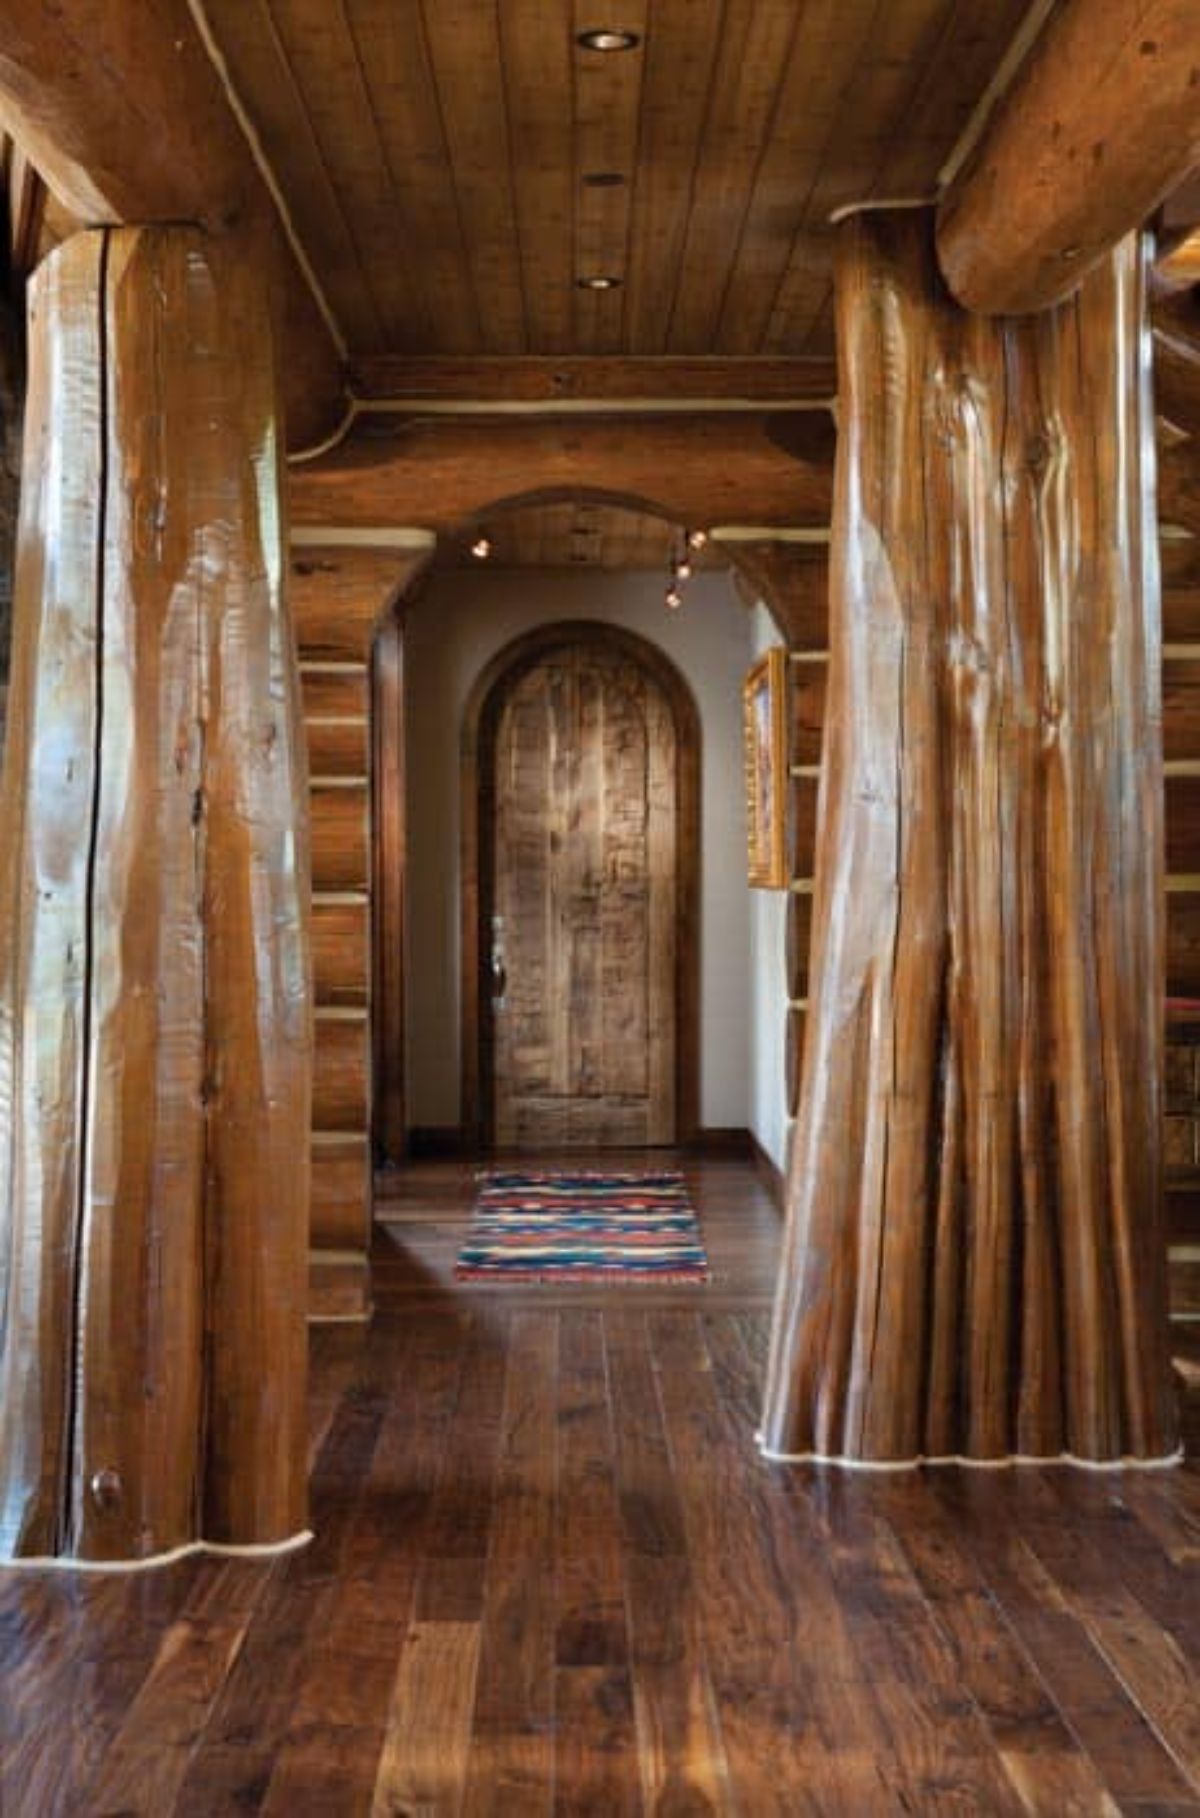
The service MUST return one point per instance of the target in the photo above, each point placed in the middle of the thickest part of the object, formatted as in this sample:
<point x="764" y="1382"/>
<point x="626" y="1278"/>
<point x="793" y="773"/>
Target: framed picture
<point x="764" y="704"/>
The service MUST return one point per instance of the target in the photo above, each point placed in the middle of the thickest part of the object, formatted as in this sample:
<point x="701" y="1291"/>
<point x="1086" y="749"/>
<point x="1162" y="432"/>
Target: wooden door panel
<point x="585" y="894"/>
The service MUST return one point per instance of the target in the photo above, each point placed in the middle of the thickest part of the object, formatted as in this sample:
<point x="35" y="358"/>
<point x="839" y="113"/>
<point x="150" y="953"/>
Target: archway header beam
<point x="772" y="469"/>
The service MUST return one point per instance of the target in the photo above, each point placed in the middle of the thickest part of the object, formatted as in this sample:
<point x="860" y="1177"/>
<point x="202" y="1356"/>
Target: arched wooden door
<point x="581" y="935"/>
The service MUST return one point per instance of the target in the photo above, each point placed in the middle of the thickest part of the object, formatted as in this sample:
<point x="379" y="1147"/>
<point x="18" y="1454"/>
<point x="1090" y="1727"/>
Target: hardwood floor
<point x="552" y="1574"/>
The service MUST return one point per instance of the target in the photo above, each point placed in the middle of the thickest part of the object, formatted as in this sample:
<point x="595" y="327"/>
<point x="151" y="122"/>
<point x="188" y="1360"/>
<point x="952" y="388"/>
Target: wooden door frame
<point x="389" y="888"/>
<point x="480" y="725"/>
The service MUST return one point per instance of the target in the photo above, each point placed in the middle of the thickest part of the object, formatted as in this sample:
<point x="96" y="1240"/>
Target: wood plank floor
<point x="552" y="1574"/>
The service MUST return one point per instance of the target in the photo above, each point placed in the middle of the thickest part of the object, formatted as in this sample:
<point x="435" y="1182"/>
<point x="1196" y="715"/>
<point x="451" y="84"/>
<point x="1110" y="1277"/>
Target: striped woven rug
<point x="583" y="1226"/>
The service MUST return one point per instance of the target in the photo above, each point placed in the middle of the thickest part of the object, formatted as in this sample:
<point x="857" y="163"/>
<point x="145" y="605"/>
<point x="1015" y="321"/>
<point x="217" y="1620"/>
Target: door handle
<point x="499" y="980"/>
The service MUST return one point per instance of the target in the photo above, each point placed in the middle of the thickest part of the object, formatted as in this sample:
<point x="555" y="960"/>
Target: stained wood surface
<point x="134" y="126"/>
<point x="582" y="905"/>
<point x="342" y="599"/>
<point x="12" y="405"/>
<point x="670" y="379"/>
<point x="976" y="1254"/>
<point x="154" y="948"/>
<point x="731" y="134"/>
<point x="698" y="1631"/>
<point x="1098" y="126"/>
<point x="706" y="469"/>
<point x="581" y="532"/>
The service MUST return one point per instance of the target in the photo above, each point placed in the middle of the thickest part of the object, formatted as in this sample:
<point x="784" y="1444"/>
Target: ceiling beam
<point x="123" y="113"/>
<point x="593" y="381"/>
<point x="770" y="469"/>
<point x="1099" y="124"/>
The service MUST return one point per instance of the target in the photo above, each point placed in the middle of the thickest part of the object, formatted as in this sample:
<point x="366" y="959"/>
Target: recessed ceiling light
<point x="481" y="548"/>
<point x="607" y="38"/>
<point x="601" y="280"/>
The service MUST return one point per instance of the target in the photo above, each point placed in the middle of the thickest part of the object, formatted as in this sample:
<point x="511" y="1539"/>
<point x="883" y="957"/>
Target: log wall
<point x="339" y="597"/>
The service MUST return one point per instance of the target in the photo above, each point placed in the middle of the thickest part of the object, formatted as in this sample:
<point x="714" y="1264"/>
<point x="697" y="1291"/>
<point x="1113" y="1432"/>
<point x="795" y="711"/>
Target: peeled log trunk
<point x="11" y="407"/>
<point x="155" y="1040"/>
<point x="976" y="1258"/>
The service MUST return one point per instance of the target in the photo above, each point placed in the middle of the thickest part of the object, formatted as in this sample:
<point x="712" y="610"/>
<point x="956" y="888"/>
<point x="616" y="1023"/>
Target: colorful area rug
<point x="590" y="1227"/>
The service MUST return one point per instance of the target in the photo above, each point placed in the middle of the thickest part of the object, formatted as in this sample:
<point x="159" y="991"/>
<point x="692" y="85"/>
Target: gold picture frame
<point x="764" y="697"/>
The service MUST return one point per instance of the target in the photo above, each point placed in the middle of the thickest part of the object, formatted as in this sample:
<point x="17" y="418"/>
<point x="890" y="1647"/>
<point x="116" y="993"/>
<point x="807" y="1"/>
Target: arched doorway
<point x="580" y="892"/>
<point x="787" y="576"/>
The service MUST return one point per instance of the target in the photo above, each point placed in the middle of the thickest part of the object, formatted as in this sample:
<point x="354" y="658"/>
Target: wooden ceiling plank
<point x="924" y="66"/>
<point x="327" y="66"/>
<point x="951" y="71"/>
<point x="576" y="533"/>
<point x="429" y="225"/>
<point x="128" y="121"/>
<point x="882" y="86"/>
<point x="873" y="101"/>
<point x="250" y="42"/>
<point x="464" y="48"/>
<point x="607" y="100"/>
<point x="780" y="229"/>
<point x="749" y="80"/>
<point x="535" y="37"/>
<point x="680" y="61"/>
<point x="1100" y="123"/>
<point x="596" y="378"/>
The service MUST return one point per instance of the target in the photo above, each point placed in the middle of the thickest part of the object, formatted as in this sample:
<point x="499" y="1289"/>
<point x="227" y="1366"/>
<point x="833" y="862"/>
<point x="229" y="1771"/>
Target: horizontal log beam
<point x="1177" y="264"/>
<point x="1179" y="486"/>
<point x="1100" y="123"/>
<point x="1177" y="363"/>
<point x="593" y="380"/>
<point x="124" y="115"/>
<point x="771" y="469"/>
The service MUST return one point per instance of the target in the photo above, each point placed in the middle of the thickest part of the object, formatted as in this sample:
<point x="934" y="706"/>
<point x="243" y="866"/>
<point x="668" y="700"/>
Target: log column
<point x="975" y="1262"/>
<point x="155" y="1020"/>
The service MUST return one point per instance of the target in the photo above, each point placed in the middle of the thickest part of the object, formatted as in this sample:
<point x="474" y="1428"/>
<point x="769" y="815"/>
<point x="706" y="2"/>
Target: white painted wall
<point x="767" y="1114"/>
<point x="461" y="623"/>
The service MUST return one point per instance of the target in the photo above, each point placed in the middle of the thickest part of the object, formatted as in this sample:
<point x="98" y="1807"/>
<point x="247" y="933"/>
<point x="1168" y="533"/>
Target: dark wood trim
<point x="389" y="848"/>
<point x="480" y="722"/>
<point x="592" y="378"/>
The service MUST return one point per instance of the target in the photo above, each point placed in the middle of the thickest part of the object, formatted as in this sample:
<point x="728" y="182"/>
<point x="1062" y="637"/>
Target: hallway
<point x="551" y="1573"/>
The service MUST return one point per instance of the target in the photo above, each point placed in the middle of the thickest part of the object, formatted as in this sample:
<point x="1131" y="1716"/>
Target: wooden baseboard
<point x="772" y="1176"/>
<point x="339" y="1287"/>
<point x="433" y="1142"/>
<point x="726" y="1144"/>
<point x="438" y="1142"/>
